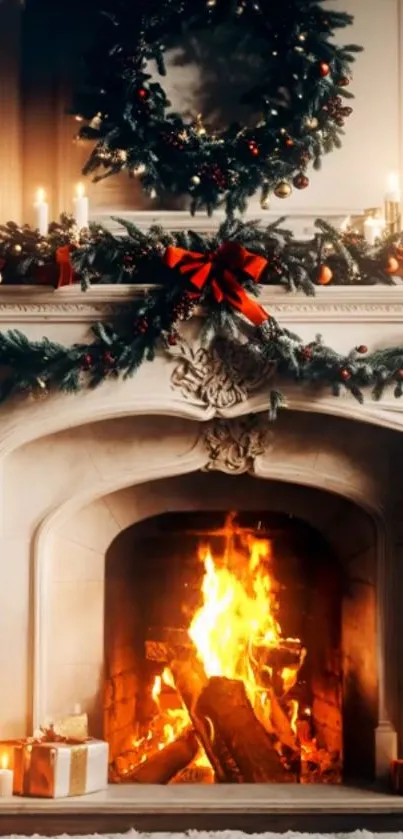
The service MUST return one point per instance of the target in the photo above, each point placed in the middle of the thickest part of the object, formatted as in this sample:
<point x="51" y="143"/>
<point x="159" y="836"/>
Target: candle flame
<point x="393" y="182"/>
<point x="80" y="190"/>
<point x="4" y="761"/>
<point x="40" y="195"/>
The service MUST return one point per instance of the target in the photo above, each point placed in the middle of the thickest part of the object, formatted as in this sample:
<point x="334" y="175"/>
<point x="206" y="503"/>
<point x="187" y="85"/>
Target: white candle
<point x="6" y="778"/>
<point x="41" y="212"/>
<point x="81" y="207"/>
<point x="373" y="229"/>
<point x="393" y="188"/>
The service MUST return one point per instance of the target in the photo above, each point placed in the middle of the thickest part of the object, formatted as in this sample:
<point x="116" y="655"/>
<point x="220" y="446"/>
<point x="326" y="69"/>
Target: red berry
<point x="108" y="357"/>
<point x="399" y="374"/>
<point x="254" y="148"/>
<point x="306" y="353"/>
<point x="87" y="361"/>
<point x="143" y="93"/>
<point x="362" y="349"/>
<point x="172" y="339"/>
<point x="345" y="374"/>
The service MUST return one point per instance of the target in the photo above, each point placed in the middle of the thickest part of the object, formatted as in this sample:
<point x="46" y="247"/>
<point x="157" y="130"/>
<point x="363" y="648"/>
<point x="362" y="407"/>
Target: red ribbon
<point x="66" y="273"/>
<point x="220" y="268"/>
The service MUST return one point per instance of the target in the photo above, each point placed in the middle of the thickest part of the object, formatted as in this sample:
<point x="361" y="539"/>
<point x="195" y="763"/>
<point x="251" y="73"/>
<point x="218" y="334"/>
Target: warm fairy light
<point x="4" y="761"/>
<point x="80" y="190"/>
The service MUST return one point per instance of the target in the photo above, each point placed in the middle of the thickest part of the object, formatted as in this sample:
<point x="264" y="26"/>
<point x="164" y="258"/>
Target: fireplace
<point x="248" y="610"/>
<point x="131" y="481"/>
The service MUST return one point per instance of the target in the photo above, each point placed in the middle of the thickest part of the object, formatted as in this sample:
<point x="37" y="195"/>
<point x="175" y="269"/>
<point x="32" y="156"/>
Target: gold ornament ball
<point x="195" y="180"/>
<point x="283" y="190"/>
<point x="17" y="249"/>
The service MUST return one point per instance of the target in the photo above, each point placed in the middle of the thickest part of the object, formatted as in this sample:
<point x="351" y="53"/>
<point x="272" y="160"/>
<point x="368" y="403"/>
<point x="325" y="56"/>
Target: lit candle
<point x="6" y="778"/>
<point x="81" y="207"/>
<point x="373" y="229"/>
<point x="41" y="212"/>
<point x="393" y="188"/>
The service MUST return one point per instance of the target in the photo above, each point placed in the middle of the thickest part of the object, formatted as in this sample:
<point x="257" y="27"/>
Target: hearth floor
<point x="253" y="809"/>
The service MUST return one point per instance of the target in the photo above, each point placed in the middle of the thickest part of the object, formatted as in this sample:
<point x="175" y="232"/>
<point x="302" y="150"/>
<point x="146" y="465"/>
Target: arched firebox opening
<point x="300" y="665"/>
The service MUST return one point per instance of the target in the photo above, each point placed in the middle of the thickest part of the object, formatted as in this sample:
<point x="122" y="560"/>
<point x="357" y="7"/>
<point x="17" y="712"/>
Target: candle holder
<point x="393" y="217"/>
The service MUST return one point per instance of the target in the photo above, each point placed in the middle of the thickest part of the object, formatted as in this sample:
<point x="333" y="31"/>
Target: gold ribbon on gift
<point x="78" y="770"/>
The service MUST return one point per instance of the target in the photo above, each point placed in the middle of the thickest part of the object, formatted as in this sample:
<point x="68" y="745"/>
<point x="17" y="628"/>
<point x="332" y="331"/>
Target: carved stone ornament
<point x="233" y="445"/>
<point x="222" y="376"/>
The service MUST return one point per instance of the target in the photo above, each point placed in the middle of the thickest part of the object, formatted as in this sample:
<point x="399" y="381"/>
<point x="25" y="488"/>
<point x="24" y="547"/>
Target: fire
<point x="237" y="635"/>
<point x="237" y="624"/>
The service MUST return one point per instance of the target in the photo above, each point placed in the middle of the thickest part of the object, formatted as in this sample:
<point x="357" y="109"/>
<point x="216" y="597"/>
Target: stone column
<point x="10" y="111"/>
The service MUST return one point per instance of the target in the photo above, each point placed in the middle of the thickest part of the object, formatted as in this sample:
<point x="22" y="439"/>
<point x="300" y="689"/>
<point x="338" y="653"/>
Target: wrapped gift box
<point x="60" y="770"/>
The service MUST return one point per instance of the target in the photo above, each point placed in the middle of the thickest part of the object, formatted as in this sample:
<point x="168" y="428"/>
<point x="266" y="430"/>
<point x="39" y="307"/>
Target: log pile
<point x="222" y="725"/>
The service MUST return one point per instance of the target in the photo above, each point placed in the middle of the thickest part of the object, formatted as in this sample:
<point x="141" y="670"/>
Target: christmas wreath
<point x="298" y="99"/>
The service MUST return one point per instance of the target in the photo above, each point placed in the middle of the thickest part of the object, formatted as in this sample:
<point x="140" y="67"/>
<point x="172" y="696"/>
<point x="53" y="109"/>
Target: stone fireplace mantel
<point x="78" y="470"/>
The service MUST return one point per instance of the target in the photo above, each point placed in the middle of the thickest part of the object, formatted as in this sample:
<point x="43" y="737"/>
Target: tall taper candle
<point x="81" y="207"/>
<point x="41" y="212"/>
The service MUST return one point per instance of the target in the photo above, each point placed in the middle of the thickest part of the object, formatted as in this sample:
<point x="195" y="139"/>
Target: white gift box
<point x="60" y="770"/>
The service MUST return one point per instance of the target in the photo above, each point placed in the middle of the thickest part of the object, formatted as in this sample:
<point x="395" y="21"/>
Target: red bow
<point x="66" y="273"/>
<point x="220" y="269"/>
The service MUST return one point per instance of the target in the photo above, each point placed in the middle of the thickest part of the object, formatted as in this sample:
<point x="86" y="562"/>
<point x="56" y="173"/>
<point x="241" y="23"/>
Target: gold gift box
<point x="61" y="770"/>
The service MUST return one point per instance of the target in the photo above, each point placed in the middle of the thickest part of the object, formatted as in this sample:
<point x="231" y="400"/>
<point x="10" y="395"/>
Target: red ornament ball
<point x="143" y="93"/>
<point x="324" y="68"/>
<point x="399" y="374"/>
<point x="172" y="339"/>
<point x="345" y="374"/>
<point x="325" y="275"/>
<point x="362" y="349"/>
<point x="392" y="265"/>
<point x="301" y="181"/>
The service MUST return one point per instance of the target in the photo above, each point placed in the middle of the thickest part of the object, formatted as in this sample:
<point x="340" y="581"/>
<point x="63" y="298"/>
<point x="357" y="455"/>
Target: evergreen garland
<point x="150" y="322"/>
<point x="134" y="256"/>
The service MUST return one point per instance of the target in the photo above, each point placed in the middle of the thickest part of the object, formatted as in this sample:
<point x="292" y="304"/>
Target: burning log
<point x="165" y="643"/>
<point x="190" y="681"/>
<point x="238" y="734"/>
<point x="286" y="653"/>
<point x="163" y="766"/>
